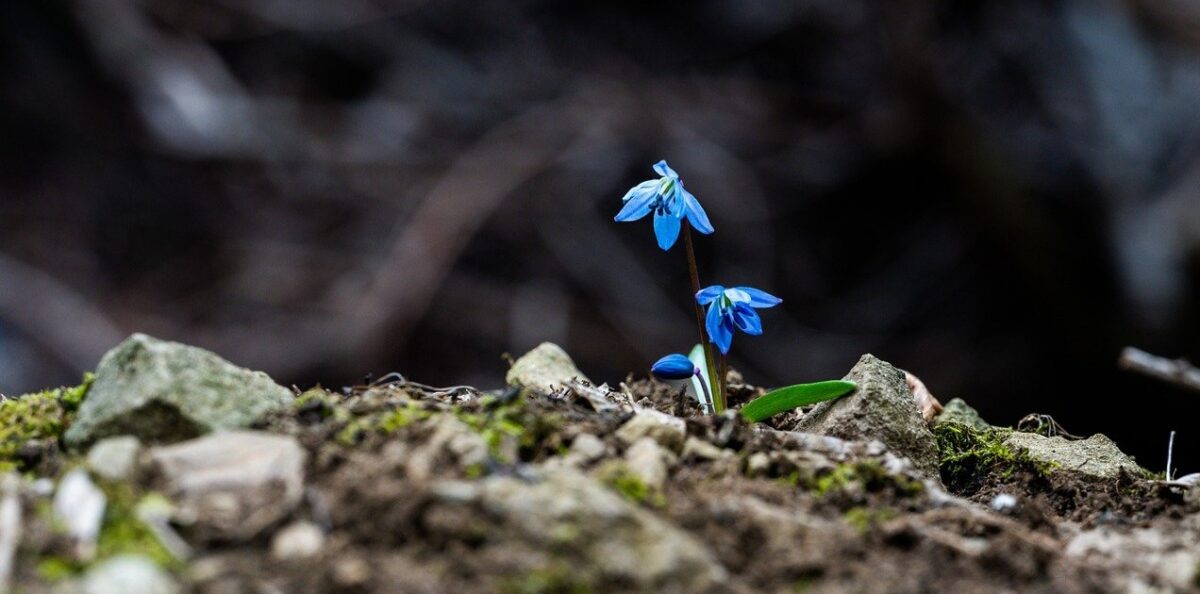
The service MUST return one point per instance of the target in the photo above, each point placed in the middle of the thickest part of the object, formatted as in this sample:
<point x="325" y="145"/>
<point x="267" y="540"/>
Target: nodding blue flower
<point x="674" y="367"/>
<point x="733" y="307"/>
<point x="670" y="203"/>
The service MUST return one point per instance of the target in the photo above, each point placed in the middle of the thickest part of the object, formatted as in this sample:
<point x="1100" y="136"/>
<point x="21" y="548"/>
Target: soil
<point x="778" y="516"/>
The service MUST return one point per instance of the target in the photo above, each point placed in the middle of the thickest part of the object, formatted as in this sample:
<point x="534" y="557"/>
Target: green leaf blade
<point x="785" y="399"/>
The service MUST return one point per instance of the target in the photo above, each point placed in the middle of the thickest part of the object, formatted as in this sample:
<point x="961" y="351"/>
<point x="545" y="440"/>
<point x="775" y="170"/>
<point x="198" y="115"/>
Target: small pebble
<point x="587" y="447"/>
<point x="351" y="572"/>
<point x="299" y="540"/>
<point x="114" y="458"/>
<point x="758" y="464"/>
<point x="79" y="505"/>
<point x="1003" y="502"/>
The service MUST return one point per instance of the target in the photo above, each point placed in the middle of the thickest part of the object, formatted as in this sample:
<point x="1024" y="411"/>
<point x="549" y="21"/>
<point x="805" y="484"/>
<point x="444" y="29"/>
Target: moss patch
<point x="969" y="456"/>
<point x="864" y="475"/>
<point x="506" y="425"/>
<point x="121" y="532"/>
<point x="38" y="418"/>
<point x="863" y="519"/>
<point x="620" y="479"/>
<point x="556" y="579"/>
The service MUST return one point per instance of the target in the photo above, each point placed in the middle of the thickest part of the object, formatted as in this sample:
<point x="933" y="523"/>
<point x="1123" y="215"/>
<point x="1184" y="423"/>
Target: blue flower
<point x="674" y="367"/>
<point x="733" y="308"/>
<point x="670" y="203"/>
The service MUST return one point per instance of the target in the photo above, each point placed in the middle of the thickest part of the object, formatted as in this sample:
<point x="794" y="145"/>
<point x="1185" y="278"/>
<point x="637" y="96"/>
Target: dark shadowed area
<point x="996" y="196"/>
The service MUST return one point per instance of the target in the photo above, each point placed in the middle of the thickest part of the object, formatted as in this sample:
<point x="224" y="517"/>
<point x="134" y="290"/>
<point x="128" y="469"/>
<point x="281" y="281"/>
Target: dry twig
<point x="1175" y="371"/>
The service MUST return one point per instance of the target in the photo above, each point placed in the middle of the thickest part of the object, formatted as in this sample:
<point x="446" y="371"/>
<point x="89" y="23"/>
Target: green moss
<point x="121" y="532"/>
<point x="864" y="519"/>
<point x="317" y="401"/>
<point x="967" y="456"/>
<point x="500" y="421"/>
<point x="867" y="475"/>
<point x="384" y="423"/>
<point x="506" y="425"/>
<point x="53" y="569"/>
<point x="618" y="476"/>
<point x="556" y="579"/>
<point x="37" y="417"/>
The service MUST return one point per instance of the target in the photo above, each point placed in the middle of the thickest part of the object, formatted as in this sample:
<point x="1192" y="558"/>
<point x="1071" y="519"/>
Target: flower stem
<point x="723" y="371"/>
<point x="718" y="383"/>
<point x="704" y="386"/>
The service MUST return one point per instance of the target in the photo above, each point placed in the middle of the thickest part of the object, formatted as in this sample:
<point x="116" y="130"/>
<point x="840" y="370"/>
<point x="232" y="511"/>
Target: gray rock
<point x="166" y="392"/>
<point x="114" y="458"/>
<point x="1147" y="554"/>
<point x="597" y="531"/>
<point x="232" y="485"/>
<point x="299" y="540"/>
<point x="668" y="430"/>
<point x="127" y="574"/>
<point x="958" y="411"/>
<point x="1095" y="457"/>
<point x="546" y="368"/>
<point x="882" y="408"/>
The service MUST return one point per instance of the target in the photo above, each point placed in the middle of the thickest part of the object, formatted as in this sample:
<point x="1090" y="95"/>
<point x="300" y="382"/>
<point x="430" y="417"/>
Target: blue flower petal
<point x="665" y="170"/>
<point x="666" y="229"/>
<point x="760" y="298"/>
<point x="720" y="332"/>
<point x="695" y="213"/>
<point x="707" y="294"/>
<point x="649" y="186"/>
<point x="746" y="319"/>
<point x="638" y="201"/>
<point x="673" y="367"/>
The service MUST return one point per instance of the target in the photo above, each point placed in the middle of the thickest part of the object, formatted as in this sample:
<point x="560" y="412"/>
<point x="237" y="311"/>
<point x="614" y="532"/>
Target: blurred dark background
<point x="995" y="195"/>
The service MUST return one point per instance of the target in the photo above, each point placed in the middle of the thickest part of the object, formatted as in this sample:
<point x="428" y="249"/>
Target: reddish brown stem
<point x="717" y="382"/>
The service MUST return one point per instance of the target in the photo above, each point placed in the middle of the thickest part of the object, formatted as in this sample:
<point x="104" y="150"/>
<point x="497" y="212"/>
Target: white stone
<point x="647" y="461"/>
<point x="127" y="574"/>
<point x="1003" y="502"/>
<point x="79" y="505"/>
<point x="695" y="448"/>
<point x="299" y="540"/>
<point x="587" y="447"/>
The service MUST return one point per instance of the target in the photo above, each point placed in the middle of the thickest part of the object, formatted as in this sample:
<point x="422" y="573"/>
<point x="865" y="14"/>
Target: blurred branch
<point x="1175" y="371"/>
<point x="54" y="315"/>
<point x="424" y="251"/>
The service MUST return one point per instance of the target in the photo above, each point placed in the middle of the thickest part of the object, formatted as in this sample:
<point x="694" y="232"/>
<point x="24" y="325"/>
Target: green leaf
<point x="698" y="359"/>
<point x="785" y="399"/>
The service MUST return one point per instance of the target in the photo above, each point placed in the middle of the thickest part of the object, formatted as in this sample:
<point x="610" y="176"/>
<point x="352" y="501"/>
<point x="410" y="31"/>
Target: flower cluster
<point x="728" y="308"/>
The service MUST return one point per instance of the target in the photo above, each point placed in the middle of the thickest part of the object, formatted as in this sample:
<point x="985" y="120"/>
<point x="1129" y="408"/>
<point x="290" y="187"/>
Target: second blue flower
<point x="733" y="307"/>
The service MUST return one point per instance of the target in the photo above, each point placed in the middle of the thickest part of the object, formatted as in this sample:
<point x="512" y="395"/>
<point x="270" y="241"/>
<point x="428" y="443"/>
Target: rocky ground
<point x="171" y="470"/>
